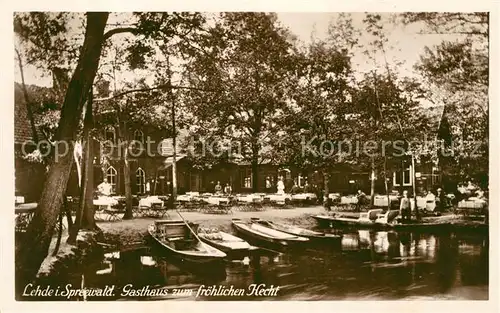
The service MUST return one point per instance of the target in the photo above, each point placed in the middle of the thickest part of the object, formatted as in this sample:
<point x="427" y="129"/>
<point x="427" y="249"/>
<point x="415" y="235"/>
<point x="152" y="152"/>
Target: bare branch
<point x="163" y="86"/>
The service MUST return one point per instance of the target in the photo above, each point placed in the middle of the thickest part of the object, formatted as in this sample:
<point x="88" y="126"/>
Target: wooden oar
<point x="187" y="224"/>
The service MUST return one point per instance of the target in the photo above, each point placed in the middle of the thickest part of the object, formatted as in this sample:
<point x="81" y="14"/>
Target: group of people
<point x="405" y="206"/>
<point x="219" y="190"/>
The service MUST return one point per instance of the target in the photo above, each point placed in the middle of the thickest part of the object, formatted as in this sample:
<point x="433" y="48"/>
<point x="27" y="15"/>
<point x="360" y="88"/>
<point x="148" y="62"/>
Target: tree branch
<point x="120" y="30"/>
<point x="163" y="86"/>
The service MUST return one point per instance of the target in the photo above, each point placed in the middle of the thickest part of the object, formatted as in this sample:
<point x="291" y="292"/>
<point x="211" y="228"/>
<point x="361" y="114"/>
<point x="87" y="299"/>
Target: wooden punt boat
<point x="421" y="226"/>
<point x="364" y="220"/>
<point x="265" y="235"/>
<point x="297" y="231"/>
<point x="177" y="239"/>
<point x="374" y="219"/>
<point x="227" y="243"/>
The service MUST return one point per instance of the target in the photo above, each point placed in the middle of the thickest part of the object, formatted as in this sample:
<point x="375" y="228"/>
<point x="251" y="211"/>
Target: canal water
<point x="368" y="265"/>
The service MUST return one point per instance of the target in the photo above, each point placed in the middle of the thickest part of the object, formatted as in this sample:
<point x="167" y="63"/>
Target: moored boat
<point x="381" y="221"/>
<point x="421" y="226"/>
<point x="364" y="220"/>
<point x="297" y="231"/>
<point x="177" y="238"/>
<point x="231" y="245"/>
<point x="266" y="235"/>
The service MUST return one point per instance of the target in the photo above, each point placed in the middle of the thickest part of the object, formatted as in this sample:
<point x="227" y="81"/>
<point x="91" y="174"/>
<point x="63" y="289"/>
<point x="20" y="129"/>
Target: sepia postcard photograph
<point x="251" y="155"/>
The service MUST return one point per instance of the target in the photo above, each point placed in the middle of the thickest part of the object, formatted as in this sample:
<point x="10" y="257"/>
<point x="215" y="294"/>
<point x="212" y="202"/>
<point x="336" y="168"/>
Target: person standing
<point x="405" y="207"/>
<point x="269" y="185"/>
<point x="440" y="201"/>
<point x="104" y="188"/>
<point x="361" y="196"/>
<point x="228" y="190"/>
<point x="218" y="188"/>
<point x="319" y="194"/>
<point x="280" y="187"/>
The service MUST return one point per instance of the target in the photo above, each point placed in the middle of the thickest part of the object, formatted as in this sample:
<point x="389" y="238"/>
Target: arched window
<point x="139" y="136"/>
<point x="110" y="135"/>
<point x="140" y="181"/>
<point x="111" y="176"/>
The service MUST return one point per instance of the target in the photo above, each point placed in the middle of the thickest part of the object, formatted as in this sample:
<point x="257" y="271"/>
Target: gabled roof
<point x="22" y="127"/>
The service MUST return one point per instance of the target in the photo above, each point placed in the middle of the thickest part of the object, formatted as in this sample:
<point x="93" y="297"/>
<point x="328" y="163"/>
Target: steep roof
<point x="22" y="128"/>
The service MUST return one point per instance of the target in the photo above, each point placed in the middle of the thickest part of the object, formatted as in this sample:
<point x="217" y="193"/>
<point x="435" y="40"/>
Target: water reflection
<point x="368" y="265"/>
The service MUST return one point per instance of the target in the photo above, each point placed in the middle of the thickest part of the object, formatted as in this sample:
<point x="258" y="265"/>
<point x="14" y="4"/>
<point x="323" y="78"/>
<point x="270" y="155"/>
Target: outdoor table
<point x="103" y="204"/>
<point x="304" y="196"/>
<point x="150" y="201"/>
<point x="218" y="205"/>
<point x="24" y="215"/>
<point x="472" y="206"/>
<point x="334" y="196"/>
<point x="216" y="200"/>
<point x="348" y="200"/>
<point x="248" y="198"/>
<point x="152" y="206"/>
<point x="279" y="198"/>
<point x="185" y="198"/>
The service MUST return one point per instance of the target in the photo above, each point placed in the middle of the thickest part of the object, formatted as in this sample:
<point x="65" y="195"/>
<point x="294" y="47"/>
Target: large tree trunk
<point x="86" y="185"/>
<point x="126" y="180"/>
<point x="173" y="198"/>
<point x="413" y="178"/>
<point x="34" y="248"/>
<point x="326" y="183"/>
<point x="255" y="167"/>
<point x="372" y="184"/>
<point x="60" y="228"/>
<point x="386" y="185"/>
<point x="88" y="221"/>
<point x="123" y="135"/>
<point x="402" y="176"/>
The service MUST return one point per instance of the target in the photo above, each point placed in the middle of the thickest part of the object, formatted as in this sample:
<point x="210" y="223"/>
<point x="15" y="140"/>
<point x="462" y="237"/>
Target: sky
<point x="407" y="44"/>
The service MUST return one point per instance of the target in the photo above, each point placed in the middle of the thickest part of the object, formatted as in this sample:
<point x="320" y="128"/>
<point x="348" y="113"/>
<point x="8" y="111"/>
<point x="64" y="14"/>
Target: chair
<point x="158" y="210"/>
<point x="113" y="214"/>
<point x="225" y="207"/>
<point x="99" y="211"/>
<point x="137" y="211"/>
<point x="256" y="204"/>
